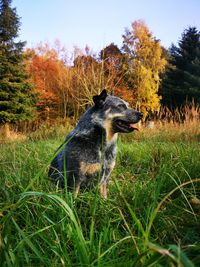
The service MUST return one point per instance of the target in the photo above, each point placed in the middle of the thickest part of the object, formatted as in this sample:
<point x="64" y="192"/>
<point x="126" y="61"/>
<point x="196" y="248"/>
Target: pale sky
<point x="98" y="23"/>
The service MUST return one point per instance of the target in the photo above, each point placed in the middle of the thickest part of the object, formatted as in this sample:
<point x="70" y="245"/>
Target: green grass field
<point x="151" y="217"/>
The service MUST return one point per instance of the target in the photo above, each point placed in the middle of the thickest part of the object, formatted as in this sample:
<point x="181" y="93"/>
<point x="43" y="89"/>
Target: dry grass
<point x="174" y="131"/>
<point x="12" y="137"/>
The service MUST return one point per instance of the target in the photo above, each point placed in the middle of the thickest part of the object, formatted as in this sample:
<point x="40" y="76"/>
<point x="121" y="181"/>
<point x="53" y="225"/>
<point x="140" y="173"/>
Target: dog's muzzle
<point x="126" y="123"/>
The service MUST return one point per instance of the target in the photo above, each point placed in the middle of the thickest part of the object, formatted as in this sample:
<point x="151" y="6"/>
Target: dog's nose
<point x="140" y="115"/>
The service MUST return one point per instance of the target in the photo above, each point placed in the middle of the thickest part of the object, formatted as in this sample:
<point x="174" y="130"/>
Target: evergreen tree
<point x="182" y="80"/>
<point x="16" y="97"/>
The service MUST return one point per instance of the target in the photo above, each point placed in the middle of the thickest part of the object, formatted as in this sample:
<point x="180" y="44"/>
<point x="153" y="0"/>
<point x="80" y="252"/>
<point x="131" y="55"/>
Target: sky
<point x="97" y="23"/>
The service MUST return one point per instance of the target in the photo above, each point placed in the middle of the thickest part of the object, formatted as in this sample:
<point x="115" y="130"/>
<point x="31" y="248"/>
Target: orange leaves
<point x="47" y="72"/>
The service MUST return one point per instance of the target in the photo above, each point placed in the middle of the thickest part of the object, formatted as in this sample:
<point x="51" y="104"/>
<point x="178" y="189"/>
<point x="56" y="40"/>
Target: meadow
<point x="151" y="216"/>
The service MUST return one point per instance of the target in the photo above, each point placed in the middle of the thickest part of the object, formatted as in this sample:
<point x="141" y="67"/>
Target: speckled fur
<point x="90" y="149"/>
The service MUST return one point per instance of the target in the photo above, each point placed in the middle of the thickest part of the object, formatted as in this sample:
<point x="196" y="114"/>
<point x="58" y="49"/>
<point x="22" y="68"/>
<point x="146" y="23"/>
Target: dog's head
<point x="115" y="113"/>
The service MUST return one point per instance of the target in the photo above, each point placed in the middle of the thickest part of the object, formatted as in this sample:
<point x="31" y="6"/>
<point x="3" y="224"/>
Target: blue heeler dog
<point x="89" y="150"/>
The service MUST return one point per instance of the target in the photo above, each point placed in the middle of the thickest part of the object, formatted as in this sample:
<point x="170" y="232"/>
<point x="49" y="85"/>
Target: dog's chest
<point x="109" y="150"/>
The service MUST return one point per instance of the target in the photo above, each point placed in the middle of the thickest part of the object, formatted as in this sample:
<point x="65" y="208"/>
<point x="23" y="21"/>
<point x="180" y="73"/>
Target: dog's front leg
<point x="107" y="169"/>
<point x="76" y="180"/>
<point x="103" y="189"/>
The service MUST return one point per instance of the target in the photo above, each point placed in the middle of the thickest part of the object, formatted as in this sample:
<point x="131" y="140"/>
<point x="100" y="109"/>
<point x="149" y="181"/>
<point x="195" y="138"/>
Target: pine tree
<point x="182" y="83"/>
<point x="16" y="97"/>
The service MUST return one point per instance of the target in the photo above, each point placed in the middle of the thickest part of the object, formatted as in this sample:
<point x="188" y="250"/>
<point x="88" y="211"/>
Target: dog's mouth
<point x="125" y="126"/>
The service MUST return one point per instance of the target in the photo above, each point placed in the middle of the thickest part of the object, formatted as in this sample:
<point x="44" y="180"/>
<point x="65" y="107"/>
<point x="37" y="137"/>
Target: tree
<point x="112" y="57"/>
<point x="113" y="61"/>
<point x="52" y="80"/>
<point x="42" y="68"/>
<point x="92" y="74"/>
<point x="144" y="65"/>
<point x="16" y="97"/>
<point x="182" y="83"/>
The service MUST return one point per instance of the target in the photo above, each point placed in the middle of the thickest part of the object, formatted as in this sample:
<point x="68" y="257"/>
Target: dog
<point x="90" y="149"/>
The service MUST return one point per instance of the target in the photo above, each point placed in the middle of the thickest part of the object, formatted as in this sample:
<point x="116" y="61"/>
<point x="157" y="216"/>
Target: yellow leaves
<point x="147" y="64"/>
<point x="146" y="90"/>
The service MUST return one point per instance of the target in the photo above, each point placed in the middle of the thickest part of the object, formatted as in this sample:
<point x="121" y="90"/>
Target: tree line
<point x="44" y="82"/>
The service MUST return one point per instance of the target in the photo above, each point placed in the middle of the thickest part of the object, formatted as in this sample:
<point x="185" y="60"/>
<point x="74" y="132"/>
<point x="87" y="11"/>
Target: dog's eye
<point x="122" y="106"/>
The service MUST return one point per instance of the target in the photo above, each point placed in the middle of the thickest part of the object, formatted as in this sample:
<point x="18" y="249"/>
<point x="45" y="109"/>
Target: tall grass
<point x="151" y="217"/>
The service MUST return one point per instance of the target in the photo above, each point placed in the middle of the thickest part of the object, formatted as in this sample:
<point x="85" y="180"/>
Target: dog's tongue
<point x="133" y="126"/>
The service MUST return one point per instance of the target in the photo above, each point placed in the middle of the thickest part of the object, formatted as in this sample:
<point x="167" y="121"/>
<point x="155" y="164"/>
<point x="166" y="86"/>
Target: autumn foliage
<point x="146" y="63"/>
<point x="65" y="88"/>
<point x="45" y="70"/>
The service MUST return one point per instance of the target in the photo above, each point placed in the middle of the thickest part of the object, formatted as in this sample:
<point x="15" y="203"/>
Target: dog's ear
<point x="99" y="99"/>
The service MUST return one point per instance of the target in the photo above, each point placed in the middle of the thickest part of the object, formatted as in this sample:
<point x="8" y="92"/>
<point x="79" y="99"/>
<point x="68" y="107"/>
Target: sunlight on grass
<point x="151" y="217"/>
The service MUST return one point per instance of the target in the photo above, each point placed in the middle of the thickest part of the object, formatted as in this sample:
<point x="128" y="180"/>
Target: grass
<point x="151" y="217"/>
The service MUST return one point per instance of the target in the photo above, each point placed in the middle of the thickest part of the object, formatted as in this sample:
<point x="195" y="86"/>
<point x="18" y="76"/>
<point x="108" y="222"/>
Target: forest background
<point x="45" y="84"/>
